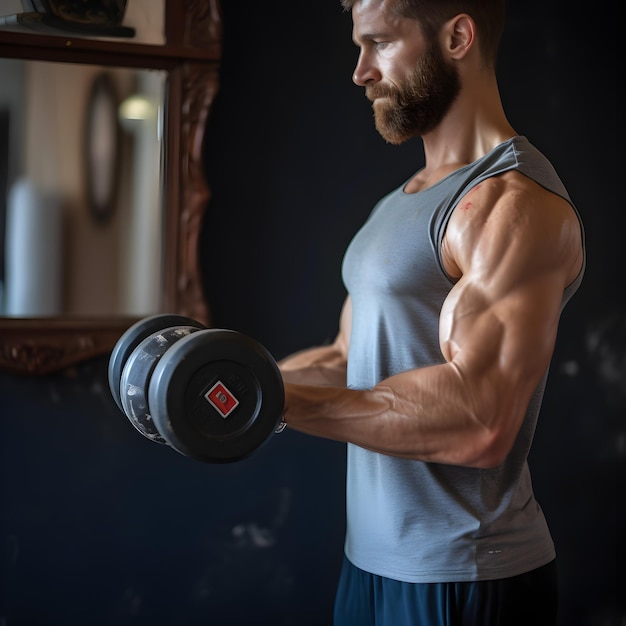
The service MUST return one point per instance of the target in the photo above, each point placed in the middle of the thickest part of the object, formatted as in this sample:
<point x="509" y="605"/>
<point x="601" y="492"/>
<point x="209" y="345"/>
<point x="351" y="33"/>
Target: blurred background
<point x="100" y="526"/>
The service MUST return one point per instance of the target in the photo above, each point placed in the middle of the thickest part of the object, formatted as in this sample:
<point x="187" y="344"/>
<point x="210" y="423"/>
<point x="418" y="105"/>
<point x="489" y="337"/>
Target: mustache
<point x="372" y="92"/>
<point x="397" y="96"/>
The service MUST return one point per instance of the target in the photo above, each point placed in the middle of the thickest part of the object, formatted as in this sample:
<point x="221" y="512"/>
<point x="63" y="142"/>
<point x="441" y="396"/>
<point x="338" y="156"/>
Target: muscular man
<point x="455" y="286"/>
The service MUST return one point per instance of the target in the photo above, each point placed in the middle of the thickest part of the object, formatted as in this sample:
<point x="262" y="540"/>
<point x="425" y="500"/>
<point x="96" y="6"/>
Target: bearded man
<point x="455" y="286"/>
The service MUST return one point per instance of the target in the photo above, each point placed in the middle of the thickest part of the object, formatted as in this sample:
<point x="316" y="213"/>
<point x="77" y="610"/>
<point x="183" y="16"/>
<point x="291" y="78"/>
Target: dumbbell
<point x="214" y="395"/>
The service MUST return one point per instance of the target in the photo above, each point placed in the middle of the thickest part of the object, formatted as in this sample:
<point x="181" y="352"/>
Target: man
<point x="455" y="288"/>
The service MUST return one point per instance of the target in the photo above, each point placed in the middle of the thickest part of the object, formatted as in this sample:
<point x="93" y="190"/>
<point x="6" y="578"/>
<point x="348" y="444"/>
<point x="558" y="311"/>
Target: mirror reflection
<point x="81" y="193"/>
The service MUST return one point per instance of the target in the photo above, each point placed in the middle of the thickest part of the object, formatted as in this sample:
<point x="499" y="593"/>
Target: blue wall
<point x="99" y="526"/>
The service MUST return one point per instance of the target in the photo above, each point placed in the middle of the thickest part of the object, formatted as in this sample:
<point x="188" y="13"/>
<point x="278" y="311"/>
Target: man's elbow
<point x="492" y="450"/>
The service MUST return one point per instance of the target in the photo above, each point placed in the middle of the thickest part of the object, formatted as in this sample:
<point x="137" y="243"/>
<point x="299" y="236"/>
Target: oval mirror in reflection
<point x="81" y="193"/>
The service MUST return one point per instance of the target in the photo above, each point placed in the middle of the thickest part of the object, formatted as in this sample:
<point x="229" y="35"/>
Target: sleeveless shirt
<point x="427" y="522"/>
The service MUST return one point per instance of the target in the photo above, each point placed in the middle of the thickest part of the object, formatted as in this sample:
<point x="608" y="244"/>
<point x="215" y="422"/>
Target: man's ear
<point x="459" y="35"/>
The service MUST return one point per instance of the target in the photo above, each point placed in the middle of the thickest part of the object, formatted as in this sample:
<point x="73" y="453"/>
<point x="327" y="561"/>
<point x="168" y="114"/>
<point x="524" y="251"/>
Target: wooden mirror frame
<point x="190" y="55"/>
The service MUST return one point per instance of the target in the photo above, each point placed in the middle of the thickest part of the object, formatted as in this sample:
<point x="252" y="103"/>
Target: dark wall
<point x="99" y="526"/>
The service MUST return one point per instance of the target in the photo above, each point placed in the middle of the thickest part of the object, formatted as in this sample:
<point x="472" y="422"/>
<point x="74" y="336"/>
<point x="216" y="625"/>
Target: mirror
<point x="82" y="189"/>
<point x="110" y="209"/>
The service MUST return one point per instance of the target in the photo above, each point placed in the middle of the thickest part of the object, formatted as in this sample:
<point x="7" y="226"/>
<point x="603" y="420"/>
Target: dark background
<point x="99" y="526"/>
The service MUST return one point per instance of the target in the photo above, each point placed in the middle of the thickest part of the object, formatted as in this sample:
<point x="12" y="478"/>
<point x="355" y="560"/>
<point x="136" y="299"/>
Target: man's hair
<point x="432" y="14"/>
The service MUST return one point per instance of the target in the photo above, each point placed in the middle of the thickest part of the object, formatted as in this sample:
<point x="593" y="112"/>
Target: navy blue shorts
<point x="365" y="599"/>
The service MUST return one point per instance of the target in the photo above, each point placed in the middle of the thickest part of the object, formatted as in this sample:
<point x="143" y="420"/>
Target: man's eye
<point x="381" y="45"/>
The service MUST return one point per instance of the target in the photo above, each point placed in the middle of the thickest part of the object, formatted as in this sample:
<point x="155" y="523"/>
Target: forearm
<point x="426" y="415"/>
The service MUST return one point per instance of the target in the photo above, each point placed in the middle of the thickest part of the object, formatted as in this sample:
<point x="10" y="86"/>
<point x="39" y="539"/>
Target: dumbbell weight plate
<point x="136" y="376"/>
<point x="132" y="338"/>
<point x="216" y="395"/>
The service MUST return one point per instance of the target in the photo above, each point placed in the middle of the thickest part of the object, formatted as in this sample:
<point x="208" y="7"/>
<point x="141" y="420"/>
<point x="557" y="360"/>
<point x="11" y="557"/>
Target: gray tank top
<point x="429" y="522"/>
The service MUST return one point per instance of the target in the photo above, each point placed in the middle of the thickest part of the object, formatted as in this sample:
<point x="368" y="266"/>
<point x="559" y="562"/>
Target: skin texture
<point x="511" y="246"/>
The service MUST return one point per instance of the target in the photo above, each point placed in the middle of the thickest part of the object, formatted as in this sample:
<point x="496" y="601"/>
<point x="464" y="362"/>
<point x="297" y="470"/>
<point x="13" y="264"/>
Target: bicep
<point x="501" y="343"/>
<point x="499" y="323"/>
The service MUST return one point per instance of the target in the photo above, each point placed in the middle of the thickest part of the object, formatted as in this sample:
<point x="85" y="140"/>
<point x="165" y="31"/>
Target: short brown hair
<point x="432" y="14"/>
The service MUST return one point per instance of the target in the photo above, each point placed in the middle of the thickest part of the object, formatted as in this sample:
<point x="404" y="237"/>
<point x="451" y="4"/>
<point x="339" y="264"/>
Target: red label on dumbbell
<point x="222" y="399"/>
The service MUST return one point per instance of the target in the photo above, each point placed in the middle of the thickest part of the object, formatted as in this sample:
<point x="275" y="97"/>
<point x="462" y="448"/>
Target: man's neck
<point x="475" y="125"/>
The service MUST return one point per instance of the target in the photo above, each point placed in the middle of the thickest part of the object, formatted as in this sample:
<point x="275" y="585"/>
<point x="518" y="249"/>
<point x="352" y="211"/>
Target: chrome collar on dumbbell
<point x="214" y="395"/>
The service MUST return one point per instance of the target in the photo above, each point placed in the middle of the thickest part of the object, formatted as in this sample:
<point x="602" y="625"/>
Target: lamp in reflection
<point x="137" y="108"/>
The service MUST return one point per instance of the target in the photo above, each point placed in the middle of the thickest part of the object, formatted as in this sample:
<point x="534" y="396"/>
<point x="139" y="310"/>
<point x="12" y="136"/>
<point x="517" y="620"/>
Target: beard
<point x="419" y="104"/>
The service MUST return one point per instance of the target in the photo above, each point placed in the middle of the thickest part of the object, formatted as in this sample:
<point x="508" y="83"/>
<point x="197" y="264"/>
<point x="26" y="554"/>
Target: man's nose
<point x="365" y="71"/>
